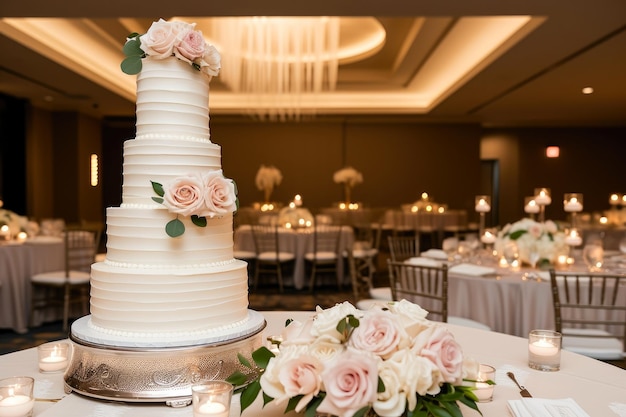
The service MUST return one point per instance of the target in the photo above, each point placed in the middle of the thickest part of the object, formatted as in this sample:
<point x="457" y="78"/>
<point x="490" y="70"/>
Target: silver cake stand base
<point x="136" y="374"/>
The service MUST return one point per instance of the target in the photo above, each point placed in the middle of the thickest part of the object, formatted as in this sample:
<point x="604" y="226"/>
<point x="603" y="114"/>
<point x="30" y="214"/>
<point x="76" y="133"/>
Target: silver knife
<point x="523" y="391"/>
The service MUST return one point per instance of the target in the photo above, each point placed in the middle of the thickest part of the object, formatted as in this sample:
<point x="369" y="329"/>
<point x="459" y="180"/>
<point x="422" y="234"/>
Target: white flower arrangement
<point x="268" y="177"/>
<point x="165" y="39"/>
<point x="545" y="239"/>
<point x="14" y="221"/>
<point x="348" y="176"/>
<point x="389" y="360"/>
<point x="197" y="196"/>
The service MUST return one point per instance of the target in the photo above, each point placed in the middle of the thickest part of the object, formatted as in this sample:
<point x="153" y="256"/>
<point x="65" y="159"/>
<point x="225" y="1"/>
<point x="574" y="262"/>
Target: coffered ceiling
<point x="520" y="63"/>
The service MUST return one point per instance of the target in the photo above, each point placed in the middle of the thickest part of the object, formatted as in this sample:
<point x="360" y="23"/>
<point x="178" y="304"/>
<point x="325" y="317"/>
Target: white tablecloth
<point x="506" y="302"/>
<point x="296" y="242"/>
<point x="18" y="262"/>
<point x="594" y="385"/>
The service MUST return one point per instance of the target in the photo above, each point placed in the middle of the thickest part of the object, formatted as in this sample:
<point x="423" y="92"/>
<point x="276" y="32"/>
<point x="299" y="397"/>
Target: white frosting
<point x="171" y="99"/>
<point x="163" y="160"/>
<point x="153" y="288"/>
<point x="137" y="236"/>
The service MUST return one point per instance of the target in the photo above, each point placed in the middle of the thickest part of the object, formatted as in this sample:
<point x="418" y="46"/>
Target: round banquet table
<point x="596" y="386"/>
<point x="18" y="262"/>
<point x="297" y="242"/>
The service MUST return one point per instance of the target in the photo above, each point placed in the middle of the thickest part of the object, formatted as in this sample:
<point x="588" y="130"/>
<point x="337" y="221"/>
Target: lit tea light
<point x="543" y="197"/>
<point x="297" y="200"/>
<point x="211" y="409"/>
<point x="542" y="347"/>
<point x="16" y="396"/>
<point x="531" y="206"/>
<point x="482" y="205"/>
<point x="572" y="205"/>
<point x="488" y="238"/>
<point x="614" y="199"/>
<point x="22" y="236"/>
<point x="53" y="357"/>
<point x="604" y="220"/>
<point x="573" y="238"/>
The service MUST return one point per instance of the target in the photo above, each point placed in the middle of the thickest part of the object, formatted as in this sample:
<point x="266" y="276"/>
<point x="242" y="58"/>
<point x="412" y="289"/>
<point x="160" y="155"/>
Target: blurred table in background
<point x="296" y="241"/>
<point x="18" y="262"/>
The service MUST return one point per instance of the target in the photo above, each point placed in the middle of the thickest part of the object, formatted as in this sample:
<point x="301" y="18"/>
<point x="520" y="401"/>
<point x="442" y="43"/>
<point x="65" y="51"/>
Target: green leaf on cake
<point x="158" y="200"/>
<point x="131" y="65"/>
<point x="158" y="188"/>
<point x="198" y="221"/>
<point x="174" y="228"/>
<point x="133" y="46"/>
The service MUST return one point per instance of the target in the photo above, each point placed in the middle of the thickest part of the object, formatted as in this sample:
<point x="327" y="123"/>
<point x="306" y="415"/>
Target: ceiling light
<point x="276" y="61"/>
<point x="588" y="90"/>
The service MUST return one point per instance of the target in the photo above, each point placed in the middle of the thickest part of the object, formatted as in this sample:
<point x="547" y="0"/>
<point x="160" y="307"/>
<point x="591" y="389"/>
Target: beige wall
<point x="398" y="160"/>
<point x="59" y="146"/>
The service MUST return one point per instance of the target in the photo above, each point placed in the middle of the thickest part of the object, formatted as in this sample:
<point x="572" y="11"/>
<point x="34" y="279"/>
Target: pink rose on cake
<point x="197" y="196"/>
<point x="185" y="196"/>
<point x="219" y="194"/>
<point x="191" y="46"/>
<point x="160" y="39"/>
<point x="166" y="39"/>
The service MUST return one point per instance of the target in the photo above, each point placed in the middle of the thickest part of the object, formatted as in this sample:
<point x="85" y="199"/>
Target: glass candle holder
<point x="544" y="350"/>
<point x="484" y="383"/>
<point x="530" y="205"/>
<point x="482" y="203"/>
<point x="16" y="396"/>
<point x="211" y="399"/>
<point x="53" y="356"/>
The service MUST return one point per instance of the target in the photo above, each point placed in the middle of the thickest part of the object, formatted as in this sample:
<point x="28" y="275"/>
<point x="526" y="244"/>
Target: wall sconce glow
<point x="587" y="90"/>
<point x="94" y="170"/>
<point x="553" y="151"/>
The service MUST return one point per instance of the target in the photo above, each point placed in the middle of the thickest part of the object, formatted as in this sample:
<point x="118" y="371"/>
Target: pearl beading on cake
<point x="129" y="265"/>
<point x="213" y="332"/>
<point x="164" y="136"/>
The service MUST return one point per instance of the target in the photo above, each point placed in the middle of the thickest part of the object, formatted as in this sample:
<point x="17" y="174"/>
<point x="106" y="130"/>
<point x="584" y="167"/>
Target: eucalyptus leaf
<point x="132" y="47"/>
<point x="158" y="200"/>
<point x="131" y="65"/>
<point x="174" y="228"/>
<point x="198" y="221"/>
<point x="158" y="188"/>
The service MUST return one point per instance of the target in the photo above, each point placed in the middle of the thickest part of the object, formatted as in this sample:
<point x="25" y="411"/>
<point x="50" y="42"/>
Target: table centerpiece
<point x="388" y="361"/>
<point x="538" y="243"/>
<point x="267" y="178"/>
<point x="349" y="177"/>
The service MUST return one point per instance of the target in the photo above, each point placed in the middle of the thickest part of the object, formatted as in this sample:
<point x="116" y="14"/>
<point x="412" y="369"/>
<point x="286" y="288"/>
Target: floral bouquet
<point x="389" y="360"/>
<point x="268" y="177"/>
<point x="165" y="39"/>
<point x="349" y="177"/>
<point x="536" y="241"/>
<point x="14" y="221"/>
<point x="197" y="196"/>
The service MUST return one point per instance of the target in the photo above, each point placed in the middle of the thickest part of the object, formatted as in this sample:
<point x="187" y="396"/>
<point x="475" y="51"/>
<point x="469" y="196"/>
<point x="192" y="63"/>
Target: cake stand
<point x="105" y="370"/>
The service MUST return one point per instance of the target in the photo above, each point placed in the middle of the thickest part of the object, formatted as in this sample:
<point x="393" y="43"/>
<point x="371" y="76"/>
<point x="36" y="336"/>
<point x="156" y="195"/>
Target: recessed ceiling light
<point x="588" y="90"/>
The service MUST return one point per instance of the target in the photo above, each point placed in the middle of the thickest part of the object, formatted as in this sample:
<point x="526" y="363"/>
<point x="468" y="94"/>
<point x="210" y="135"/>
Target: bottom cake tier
<point x="111" y="372"/>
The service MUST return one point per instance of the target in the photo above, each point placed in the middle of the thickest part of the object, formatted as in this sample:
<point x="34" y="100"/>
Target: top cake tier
<point x="172" y="101"/>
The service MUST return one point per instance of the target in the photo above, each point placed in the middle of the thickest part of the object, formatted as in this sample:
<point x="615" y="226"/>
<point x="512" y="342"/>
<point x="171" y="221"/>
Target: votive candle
<point x="544" y="350"/>
<point x="16" y="396"/>
<point x="542" y="197"/>
<point x="53" y="357"/>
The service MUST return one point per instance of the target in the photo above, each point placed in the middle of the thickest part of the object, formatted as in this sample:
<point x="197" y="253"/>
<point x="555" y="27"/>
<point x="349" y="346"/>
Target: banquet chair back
<point x="323" y="256"/>
<point x="423" y="285"/>
<point x="270" y="259"/>
<point x="590" y="312"/>
<point x="426" y="286"/>
<point x="71" y="285"/>
<point x="402" y="248"/>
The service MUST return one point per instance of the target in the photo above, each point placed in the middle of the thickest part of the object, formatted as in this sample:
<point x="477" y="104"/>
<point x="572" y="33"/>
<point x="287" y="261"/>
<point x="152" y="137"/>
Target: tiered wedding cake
<point x="169" y="279"/>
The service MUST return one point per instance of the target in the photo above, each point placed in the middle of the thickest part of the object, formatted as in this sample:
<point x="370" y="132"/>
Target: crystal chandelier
<point x="281" y="64"/>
